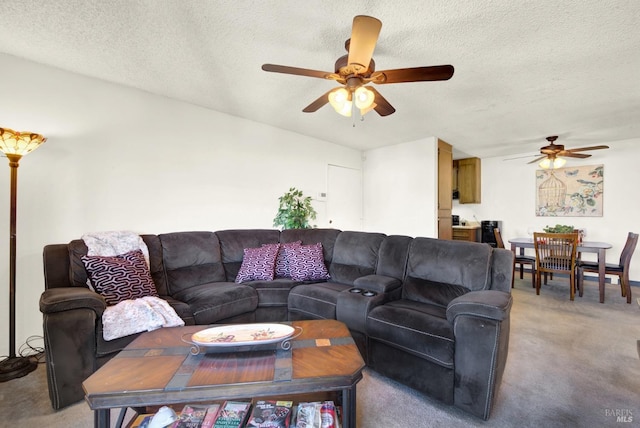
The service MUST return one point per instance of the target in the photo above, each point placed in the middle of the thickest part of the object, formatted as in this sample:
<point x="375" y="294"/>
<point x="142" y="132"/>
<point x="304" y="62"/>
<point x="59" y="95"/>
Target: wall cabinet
<point x="445" y="203"/>
<point x="468" y="180"/>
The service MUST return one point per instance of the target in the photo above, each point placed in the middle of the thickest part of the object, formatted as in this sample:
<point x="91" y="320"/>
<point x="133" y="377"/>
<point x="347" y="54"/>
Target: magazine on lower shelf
<point x="232" y="414"/>
<point x="270" y="414"/>
<point x="316" y="414"/>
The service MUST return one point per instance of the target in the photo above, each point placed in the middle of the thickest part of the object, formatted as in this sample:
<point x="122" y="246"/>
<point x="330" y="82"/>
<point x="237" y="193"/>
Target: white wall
<point x="118" y="158"/>
<point x="508" y="194"/>
<point x="400" y="188"/>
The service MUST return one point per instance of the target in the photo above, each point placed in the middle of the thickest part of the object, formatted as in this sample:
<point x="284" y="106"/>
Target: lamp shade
<point x="339" y="100"/>
<point x="364" y="97"/>
<point x="19" y="143"/>
<point x="552" y="163"/>
<point x="559" y="162"/>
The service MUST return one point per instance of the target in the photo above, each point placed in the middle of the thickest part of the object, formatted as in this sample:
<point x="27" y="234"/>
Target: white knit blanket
<point x="114" y="243"/>
<point x="133" y="316"/>
<point x="129" y="316"/>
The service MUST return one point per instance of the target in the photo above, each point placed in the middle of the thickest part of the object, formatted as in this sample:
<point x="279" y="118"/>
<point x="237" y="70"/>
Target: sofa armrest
<point x="69" y="298"/>
<point x="490" y="304"/>
<point x="377" y="283"/>
<point x="481" y="324"/>
<point x="71" y="316"/>
<point x="353" y="308"/>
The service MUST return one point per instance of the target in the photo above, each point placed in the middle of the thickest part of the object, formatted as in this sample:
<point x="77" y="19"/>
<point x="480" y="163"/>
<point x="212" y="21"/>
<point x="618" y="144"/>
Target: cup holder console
<point x="366" y="293"/>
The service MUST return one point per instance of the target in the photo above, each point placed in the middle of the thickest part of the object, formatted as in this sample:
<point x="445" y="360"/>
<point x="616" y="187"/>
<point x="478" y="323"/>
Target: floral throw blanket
<point x="133" y="316"/>
<point x="114" y="243"/>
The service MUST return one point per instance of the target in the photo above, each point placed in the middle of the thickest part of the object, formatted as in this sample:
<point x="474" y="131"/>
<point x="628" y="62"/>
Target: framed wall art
<point x="570" y="192"/>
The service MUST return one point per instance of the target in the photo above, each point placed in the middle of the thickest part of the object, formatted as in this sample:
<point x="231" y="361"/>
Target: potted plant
<point x="559" y="228"/>
<point x="295" y="211"/>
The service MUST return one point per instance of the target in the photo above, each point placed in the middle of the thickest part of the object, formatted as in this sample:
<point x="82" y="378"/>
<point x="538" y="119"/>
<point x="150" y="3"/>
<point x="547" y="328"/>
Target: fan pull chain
<point x="353" y="113"/>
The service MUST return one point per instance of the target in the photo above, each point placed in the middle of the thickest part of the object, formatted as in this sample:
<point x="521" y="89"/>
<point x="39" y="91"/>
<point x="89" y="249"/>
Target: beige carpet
<point x="570" y="364"/>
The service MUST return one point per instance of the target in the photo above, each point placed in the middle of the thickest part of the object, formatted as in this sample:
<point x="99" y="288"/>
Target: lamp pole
<point x="14" y="162"/>
<point x="14" y="145"/>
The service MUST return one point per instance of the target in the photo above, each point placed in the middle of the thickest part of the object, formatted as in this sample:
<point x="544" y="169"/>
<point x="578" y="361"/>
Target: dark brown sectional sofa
<point x="429" y="313"/>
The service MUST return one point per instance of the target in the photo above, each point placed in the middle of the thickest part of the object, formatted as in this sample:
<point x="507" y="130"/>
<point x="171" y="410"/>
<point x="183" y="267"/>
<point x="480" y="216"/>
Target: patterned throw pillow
<point x="258" y="263"/>
<point x="306" y="262"/>
<point x="282" y="263"/>
<point x="119" y="278"/>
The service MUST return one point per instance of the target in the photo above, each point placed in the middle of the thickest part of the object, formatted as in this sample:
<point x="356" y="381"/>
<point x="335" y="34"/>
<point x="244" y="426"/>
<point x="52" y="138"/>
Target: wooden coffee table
<point x="157" y="368"/>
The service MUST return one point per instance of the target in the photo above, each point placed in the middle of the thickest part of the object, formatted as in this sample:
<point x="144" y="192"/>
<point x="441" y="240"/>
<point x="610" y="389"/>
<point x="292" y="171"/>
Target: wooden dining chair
<point x="556" y="253"/>
<point x="519" y="259"/>
<point x="621" y="269"/>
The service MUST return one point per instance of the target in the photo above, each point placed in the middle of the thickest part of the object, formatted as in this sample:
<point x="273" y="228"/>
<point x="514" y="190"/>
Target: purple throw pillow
<point x="258" y="263"/>
<point x="122" y="277"/>
<point x="306" y="262"/>
<point x="282" y="262"/>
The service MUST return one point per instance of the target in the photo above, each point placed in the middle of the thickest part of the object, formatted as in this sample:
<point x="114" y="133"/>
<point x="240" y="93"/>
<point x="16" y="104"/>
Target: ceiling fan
<point x="553" y="154"/>
<point x="357" y="69"/>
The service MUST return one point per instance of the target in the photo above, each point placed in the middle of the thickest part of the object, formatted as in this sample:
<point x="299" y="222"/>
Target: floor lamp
<point x="15" y="145"/>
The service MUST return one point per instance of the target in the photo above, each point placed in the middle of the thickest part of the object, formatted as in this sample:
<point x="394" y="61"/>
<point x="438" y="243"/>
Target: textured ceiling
<point x="523" y="69"/>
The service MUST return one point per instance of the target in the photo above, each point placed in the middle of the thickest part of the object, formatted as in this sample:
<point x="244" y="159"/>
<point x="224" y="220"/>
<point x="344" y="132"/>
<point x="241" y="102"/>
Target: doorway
<point x="344" y="198"/>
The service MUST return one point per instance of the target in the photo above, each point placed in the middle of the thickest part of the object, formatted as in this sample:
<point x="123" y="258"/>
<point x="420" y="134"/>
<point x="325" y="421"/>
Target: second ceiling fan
<point x="357" y="69"/>
<point x="553" y="153"/>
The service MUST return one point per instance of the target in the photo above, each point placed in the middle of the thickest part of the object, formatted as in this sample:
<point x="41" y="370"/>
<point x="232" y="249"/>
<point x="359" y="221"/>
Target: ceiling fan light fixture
<point x="339" y="100"/>
<point x="559" y="162"/>
<point x="552" y="163"/>
<point x="364" y="97"/>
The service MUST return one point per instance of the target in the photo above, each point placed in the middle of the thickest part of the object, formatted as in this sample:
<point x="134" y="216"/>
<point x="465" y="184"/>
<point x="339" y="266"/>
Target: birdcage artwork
<point x="570" y="192"/>
<point x="551" y="192"/>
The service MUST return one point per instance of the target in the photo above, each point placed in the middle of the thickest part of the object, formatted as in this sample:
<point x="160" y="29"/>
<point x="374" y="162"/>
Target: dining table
<point x="600" y="248"/>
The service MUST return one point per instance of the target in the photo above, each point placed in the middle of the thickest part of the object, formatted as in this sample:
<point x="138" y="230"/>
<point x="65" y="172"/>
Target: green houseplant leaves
<point x="559" y="228"/>
<point x="295" y="211"/>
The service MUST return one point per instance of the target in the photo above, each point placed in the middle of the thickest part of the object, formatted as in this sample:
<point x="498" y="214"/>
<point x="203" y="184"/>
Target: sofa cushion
<point x="218" y="301"/>
<point x="273" y="293"/>
<point x="327" y="237"/>
<point x="121" y="277"/>
<point x="467" y="264"/>
<point x="392" y="257"/>
<point x="258" y="263"/>
<point x="156" y="266"/>
<point x="77" y="271"/>
<point x="306" y="262"/>
<point x="431" y="292"/>
<point x="233" y="243"/>
<point x="355" y="254"/>
<point x="191" y="259"/>
<point x="418" y="328"/>
<point x="315" y="301"/>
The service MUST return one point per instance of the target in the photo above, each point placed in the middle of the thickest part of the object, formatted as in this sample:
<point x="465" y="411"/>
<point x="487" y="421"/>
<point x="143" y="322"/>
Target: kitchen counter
<point x="469" y="232"/>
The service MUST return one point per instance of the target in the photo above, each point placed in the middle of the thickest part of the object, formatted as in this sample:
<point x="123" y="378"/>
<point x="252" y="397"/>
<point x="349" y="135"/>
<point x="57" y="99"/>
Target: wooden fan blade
<point x="321" y="101"/>
<point x="364" y="35"/>
<point x="416" y="74"/>
<point x="583" y="149"/>
<point x="569" y="154"/>
<point x="383" y="108"/>
<point x="537" y="159"/>
<point x="299" y="71"/>
<point x="519" y="157"/>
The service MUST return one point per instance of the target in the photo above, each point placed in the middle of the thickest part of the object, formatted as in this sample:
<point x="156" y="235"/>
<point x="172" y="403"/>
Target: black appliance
<point x="486" y="231"/>
<point x="455" y="220"/>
